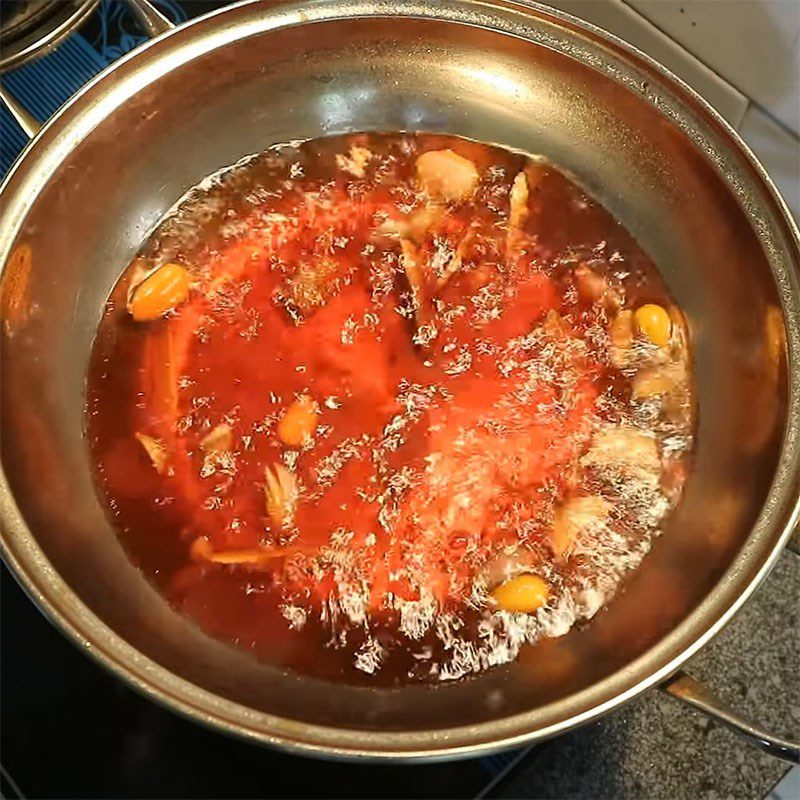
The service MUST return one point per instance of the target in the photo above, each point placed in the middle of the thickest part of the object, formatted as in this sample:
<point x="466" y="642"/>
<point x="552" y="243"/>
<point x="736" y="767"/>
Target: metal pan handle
<point x="685" y="688"/>
<point x="152" y="22"/>
<point x="688" y="690"/>
<point x="793" y="545"/>
<point x="29" y="124"/>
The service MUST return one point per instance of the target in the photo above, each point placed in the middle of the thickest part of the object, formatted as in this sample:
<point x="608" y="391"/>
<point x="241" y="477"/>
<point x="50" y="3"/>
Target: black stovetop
<point x="70" y="729"/>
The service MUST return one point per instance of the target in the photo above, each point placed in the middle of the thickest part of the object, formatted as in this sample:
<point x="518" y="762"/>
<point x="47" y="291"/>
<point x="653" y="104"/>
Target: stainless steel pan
<point x="82" y="198"/>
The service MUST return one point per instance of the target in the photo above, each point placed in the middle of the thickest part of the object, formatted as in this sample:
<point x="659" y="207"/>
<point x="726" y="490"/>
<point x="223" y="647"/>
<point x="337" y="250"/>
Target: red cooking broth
<point x="459" y="367"/>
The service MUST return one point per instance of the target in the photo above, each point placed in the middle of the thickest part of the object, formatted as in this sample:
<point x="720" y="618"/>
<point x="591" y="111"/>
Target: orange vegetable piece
<point x="299" y="421"/>
<point x="524" y="594"/>
<point x="14" y="289"/>
<point x="159" y="292"/>
<point x="201" y="549"/>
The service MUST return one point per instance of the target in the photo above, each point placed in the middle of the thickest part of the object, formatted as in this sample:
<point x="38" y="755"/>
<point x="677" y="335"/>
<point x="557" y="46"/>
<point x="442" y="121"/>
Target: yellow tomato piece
<point x="159" y="292"/>
<point x="524" y="594"/>
<point x="653" y="322"/>
<point x="299" y="421"/>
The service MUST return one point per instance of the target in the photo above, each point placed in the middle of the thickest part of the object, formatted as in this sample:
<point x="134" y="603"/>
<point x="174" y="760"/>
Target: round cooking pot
<point x="84" y="195"/>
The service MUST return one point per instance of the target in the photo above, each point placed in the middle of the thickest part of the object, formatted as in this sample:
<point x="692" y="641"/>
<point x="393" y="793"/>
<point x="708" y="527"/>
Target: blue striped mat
<point x="43" y="85"/>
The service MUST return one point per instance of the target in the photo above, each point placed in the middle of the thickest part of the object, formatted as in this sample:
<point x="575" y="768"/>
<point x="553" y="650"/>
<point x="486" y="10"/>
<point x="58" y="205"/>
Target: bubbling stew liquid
<point x="389" y="407"/>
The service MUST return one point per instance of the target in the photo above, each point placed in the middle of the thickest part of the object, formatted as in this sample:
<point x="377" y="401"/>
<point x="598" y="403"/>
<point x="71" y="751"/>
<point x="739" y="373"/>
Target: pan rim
<point x="781" y="510"/>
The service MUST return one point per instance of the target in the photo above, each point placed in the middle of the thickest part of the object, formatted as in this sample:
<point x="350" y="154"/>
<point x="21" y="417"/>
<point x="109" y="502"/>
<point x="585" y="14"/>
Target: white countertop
<point x="743" y="56"/>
